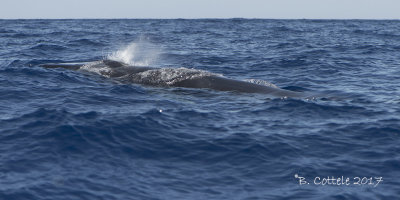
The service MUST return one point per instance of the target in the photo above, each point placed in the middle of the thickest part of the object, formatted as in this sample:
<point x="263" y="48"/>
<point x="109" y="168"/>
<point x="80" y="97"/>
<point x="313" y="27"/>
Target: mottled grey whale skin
<point x="118" y="69"/>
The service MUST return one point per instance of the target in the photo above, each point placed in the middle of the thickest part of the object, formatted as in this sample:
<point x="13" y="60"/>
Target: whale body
<point x="172" y="77"/>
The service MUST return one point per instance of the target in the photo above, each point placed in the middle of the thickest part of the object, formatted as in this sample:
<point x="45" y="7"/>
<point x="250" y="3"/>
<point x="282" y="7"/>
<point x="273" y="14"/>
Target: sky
<point x="270" y="9"/>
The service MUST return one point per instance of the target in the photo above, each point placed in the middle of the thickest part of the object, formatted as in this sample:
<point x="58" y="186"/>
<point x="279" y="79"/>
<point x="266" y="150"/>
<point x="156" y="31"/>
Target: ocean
<point x="70" y="135"/>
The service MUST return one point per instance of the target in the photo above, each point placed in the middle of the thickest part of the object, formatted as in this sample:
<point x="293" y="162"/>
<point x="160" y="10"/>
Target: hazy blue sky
<point x="309" y="9"/>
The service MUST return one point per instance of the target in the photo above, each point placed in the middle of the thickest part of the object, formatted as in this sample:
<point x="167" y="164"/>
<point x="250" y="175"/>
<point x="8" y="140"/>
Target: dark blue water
<point x="71" y="135"/>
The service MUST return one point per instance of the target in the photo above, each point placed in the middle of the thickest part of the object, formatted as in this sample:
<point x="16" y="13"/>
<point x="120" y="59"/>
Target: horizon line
<point x="201" y="18"/>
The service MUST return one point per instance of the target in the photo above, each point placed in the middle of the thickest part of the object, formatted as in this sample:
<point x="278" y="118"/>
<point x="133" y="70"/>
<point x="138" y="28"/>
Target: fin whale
<point x="173" y="77"/>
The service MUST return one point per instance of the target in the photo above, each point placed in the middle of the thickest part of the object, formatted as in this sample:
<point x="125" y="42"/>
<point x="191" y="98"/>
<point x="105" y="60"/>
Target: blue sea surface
<point x="70" y="135"/>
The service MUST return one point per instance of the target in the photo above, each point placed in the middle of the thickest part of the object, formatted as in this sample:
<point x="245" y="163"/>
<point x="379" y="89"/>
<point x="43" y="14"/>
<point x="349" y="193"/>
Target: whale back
<point x="113" y="63"/>
<point x="176" y="77"/>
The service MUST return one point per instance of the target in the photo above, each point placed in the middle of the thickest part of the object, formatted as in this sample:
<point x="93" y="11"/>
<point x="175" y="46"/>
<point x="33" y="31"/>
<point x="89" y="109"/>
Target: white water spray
<point x="138" y="53"/>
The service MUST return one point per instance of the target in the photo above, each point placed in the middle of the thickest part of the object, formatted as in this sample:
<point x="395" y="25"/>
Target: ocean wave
<point x="2" y="31"/>
<point x="83" y="42"/>
<point x="48" y="47"/>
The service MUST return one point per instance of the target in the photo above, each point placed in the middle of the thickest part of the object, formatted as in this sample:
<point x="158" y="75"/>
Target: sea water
<point x="71" y="135"/>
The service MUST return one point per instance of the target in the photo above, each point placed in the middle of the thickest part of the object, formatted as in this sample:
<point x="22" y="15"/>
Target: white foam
<point x="169" y="76"/>
<point x="261" y="82"/>
<point x="97" y="67"/>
